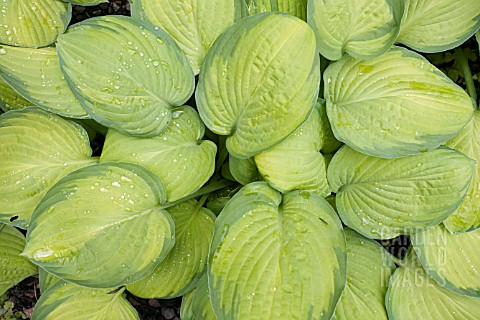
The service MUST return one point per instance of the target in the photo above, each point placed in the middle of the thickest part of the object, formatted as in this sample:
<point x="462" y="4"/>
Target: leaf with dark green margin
<point x="196" y="304"/>
<point x="450" y="259"/>
<point x="68" y="301"/>
<point x="194" y="24"/>
<point x="297" y="8"/>
<point x="101" y="226"/>
<point x="395" y="105"/>
<point x="36" y="150"/>
<point x="244" y="170"/>
<point x="46" y="280"/>
<point x="278" y="256"/>
<point x="175" y="156"/>
<point x="260" y="81"/>
<point x="13" y="267"/>
<point x="127" y="76"/>
<point x="28" y="23"/>
<point x="467" y="216"/>
<point x="181" y="269"/>
<point x="435" y="26"/>
<point x="10" y="99"/>
<point x="413" y="295"/>
<point x="364" y="29"/>
<point x="296" y="163"/>
<point x="383" y="198"/>
<point x="369" y="269"/>
<point x="36" y="75"/>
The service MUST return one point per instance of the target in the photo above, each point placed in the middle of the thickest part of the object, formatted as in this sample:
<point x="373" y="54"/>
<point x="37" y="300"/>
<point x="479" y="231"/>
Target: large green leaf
<point x="362" y="28"/>
<point x="296" y="8"/>
<point x="281" y="257"/>
<point x="36" y="75"/>
<point x="259" y="82"/>
<point x="244" y="170"/>
<point x="369" y="269"/>
<point x="181" y="269"/>
<point x="194" y="24"/>
<point x="467" y="216"/>
<point x="296" y="163"/>
<point x="68" y="301"/>
<point x="413" y="295"/>
<point x="395" y="105"/>
<point x="451" y="260"/>
<point x="101" y="226"/>
<point x="10" y="99"/>
<point x="28" y="23"/>
<point x="330" y="143"/>
<point x="13" y="267"/>
<point x="46" y="280"/>
<point x="435" y="26"/>
<point x="196" y="304"/>
<point x="36" y="150"/>
<point x="383" y="198"/>
<point x="175" y="156"/>
<point x="128" y="77"/>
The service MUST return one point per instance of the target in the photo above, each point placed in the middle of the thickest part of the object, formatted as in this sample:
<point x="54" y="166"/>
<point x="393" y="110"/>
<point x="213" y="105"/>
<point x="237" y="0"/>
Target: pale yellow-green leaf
<point x="438" y="25"/>
<point x="193" y="24"/>
<point x="36" y="75"/>
<point x="296" y="8"/>
<point x="296" y="163"/>
<point x="369" y="270"/>
<point x="451" y="259"/>
<point x="68" y="301"/>
<point x="36" y="150"/>
<point x="330" y="143"/>
<point x="244" y="170"/>
<point x="383" y="198"/>
<point x="364" y="29"/>
<point x="33" y="23"/>
<point x="13" y="267"/>
<point x="128" y="77"/>
<point x="10" y="99"/>
<point x="181" y="269"/>
<point x="101" y="226"/>
<point x="413" y="295"/>
<point x="260" y="81"/>
<point x="46" y="280"/>
<point x="196" y="304"/>
<point x="467" y="216"/>
<point x="176" y="156"/>
<point x="395" y="105"/>
<point x="278" y="256"/>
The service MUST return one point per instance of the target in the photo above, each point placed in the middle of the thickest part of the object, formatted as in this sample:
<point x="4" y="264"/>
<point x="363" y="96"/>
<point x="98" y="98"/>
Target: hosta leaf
<point x="259" y="83"/>
<point x="36" y="150"/>
<point x="13" y="267"/>
<point x="467" y="216"/>
<point x="101" y="226"/>
<point x="395" y="105"/>
<point x="330" y="143"/>
<point x="176" y="156"/>
<point x="296" y="8"/>
<point x="383" y="198"/>
<point x="46" y="280"/>
<point x="364" y="29"/>
<point x="125" y="75"/>
<point x="179" y="272"/>
<point x="244" y="170"/>
<point x="369" y="269"/>
<point x="194" y="24"/>
<point x="413" y="295"/>
<point x="10" y="99"/>
<point x="196" y="304"/>
<point x="33" y="23"/>
<point x="282" y="257"/>
<point x="68" y="301"/>
<point x="451" y="260"/>
<point x="36" y="75"/>
<point x="296" y="162"/>
<point x="435" y="26"/>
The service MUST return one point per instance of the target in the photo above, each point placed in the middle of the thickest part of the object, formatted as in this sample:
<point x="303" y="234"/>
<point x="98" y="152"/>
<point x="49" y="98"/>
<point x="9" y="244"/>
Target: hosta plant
<point x="248" y="155"/>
